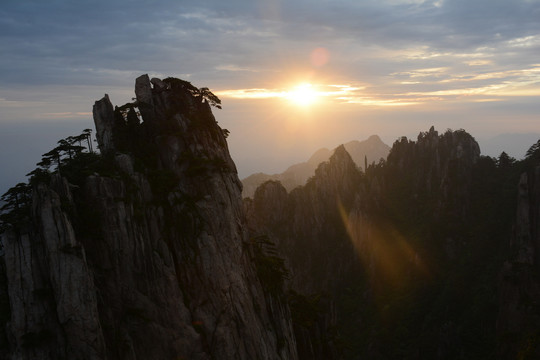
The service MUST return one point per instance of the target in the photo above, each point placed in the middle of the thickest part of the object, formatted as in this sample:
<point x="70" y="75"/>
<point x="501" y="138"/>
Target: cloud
<point x="504" y="89"/>
<point x="14" y="104"/>
<point x="251" y="93"/>
<point x="322" y="91"/>
<point x="421" y="73"/>
<point x="473" y="56"/>
<point x="67" y="115"/>
<point x="344" y="94"/>
<point x="48" y="41"/>
<point x="525" y="42"/>
<point x="478" y="62"/>
<point x="235" y="68"/>
<point x="383" y="43"/>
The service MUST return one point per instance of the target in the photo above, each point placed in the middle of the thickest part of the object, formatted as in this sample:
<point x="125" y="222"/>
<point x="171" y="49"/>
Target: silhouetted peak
<point x="374" y="139"/>
<point x="337" y="168"/>
<point x="340" y="152"/>
<point x="341" y="158"/>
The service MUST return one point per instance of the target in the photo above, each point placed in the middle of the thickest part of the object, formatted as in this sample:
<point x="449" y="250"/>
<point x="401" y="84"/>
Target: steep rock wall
<point x="518" y="322"/>
<point x="148" y="256"/>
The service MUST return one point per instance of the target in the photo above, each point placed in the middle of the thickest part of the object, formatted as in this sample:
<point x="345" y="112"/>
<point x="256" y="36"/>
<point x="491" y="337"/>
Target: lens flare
<point x="389" y="257"/>
<point x="319" y="57"/>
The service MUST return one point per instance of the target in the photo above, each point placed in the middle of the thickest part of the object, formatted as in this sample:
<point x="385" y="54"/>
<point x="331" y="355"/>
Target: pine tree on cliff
<point x="15" y="210"/>
<point x="533" y="154"/>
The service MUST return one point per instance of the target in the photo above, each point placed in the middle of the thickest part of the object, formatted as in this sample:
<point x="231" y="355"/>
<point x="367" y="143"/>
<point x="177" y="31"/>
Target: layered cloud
<point x="372" y="54"/>
<point x="67" y="42"/>
<point x="403" y="52"/>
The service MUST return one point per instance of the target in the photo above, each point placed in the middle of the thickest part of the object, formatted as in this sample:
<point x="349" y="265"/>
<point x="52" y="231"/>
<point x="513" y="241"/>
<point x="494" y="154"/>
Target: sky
<point x="293" y="76"/>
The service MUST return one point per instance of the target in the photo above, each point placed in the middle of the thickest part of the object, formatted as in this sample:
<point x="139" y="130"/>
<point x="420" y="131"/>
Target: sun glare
<point x="303" y="95"/>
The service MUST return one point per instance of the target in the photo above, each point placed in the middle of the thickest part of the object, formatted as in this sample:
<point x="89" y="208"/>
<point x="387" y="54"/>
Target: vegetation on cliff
<point x="138" y="251"/>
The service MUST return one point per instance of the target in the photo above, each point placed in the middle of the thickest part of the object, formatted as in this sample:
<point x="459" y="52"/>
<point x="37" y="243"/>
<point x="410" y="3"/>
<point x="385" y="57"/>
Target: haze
<point x="386" y="67"/>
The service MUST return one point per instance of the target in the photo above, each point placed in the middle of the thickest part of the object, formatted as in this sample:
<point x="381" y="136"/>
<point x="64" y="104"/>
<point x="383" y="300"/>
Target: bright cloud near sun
<point x="302" y="94"/>
<point x="307" y="94"/>
<point x="408" y="88"/>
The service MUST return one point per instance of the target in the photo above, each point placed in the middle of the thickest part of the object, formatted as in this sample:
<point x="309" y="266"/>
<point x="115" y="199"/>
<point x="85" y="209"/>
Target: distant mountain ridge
<point x="372" y="149"/>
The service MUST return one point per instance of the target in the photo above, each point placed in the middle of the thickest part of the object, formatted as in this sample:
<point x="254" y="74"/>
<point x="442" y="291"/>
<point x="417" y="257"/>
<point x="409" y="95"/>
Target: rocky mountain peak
<point x="435" y="159"/>
<point x="338" y="165"/>
<point x="340" y="153"/>
<point x="104" y="120"/>
<point x="362" y="152"/>
<point x="176" y="125"/>
<point x="144" y="252"/>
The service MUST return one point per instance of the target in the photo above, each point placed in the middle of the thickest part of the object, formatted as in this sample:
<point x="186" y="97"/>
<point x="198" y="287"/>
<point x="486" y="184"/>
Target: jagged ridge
<point x="405" y="256"/>
<point x="364" y="152"/>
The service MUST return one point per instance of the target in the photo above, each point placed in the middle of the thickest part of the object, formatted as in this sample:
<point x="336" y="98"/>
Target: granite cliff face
<point x="146" y="255"/>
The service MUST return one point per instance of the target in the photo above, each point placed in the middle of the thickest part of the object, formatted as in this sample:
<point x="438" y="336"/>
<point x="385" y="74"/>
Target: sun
<point x="302" y="95"/>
